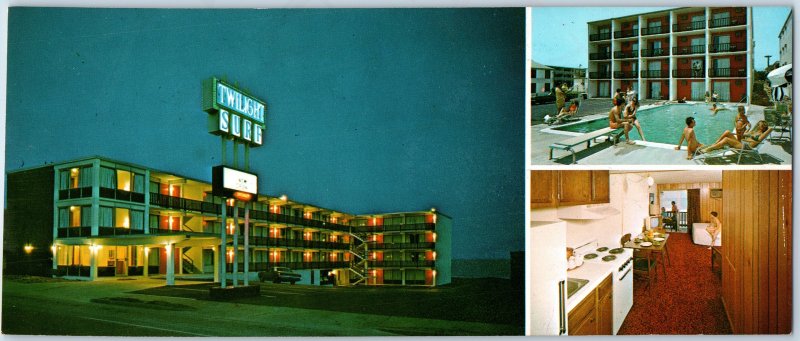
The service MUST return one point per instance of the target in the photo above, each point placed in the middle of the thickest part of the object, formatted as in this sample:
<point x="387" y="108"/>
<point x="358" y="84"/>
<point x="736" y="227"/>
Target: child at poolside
<point x="630" y="116"/>
<point x="614" y="120"/>
<point x="741" y="124"/>
<point x="691" y="141"/>
<point x="750" y="140"/>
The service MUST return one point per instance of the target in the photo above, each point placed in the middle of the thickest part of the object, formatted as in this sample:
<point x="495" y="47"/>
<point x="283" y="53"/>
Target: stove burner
<point x="616" y="251"/>
<point x="590" y="256"/>
<point x="609" y="258"/>
<point x="602" y="249"/>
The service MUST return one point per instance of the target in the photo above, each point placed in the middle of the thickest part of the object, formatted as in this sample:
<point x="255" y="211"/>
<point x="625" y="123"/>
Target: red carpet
<point x="687" y="301"/>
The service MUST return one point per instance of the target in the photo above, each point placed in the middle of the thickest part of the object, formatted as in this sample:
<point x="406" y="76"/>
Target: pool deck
<point x="602" y="153"/>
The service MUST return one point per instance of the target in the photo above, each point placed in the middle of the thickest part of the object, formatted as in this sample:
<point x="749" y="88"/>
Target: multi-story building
<point x="785" y="41"/>
<point x="541" y="77"/>
<point x="545" y="77"/>
<point x="673" y="54"/>
<point x="96" y="217"/>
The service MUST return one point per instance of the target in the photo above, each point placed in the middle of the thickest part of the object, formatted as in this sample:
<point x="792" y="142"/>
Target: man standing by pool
<point x="615" y="119"/>
<point x="561" y="98"/>
<point x="691" y="141"/>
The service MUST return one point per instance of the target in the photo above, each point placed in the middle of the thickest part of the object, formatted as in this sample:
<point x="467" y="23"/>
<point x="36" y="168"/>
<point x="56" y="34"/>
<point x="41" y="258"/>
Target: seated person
<point x="750" y="140"/>
<point x="615" y="121"/>
<point x="741" y="124"/>
<point x="568" y="112"/>
<point x="682" y="100"/>
<point x="692" y="144"/>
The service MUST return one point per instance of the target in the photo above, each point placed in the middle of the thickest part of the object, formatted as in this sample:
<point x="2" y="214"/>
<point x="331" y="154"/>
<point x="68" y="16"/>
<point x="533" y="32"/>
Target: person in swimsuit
<point x="614" y="120"/>
<point x="691" y="140"/>
<point x="715" y="108"/>
<point x="714" y="228"/>
<point x="742" y="123"/>
<point x="749" y="140"/>
<point x="630" y="116"/>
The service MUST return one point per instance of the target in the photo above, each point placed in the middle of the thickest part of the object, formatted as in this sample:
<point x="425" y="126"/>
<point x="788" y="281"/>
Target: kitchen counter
<point x="595" y="273"/>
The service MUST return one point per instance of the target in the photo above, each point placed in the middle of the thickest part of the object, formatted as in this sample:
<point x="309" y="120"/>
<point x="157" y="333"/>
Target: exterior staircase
<point x="358" y="263"/>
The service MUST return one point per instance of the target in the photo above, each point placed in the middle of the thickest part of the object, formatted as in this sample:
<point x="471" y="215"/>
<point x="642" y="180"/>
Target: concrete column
<point x="146" y="270"/>
<point x="95" y="197"/>
<point x="246" y="238"/>
<point x="170" y="265"/>
<point x="235" y="243"/>
<point x="223" y="245"/>
<point x="54" y="248"/>
<point x="216" y="264"/>
<point x="93" y="262"/>
<point x="750" y="54"/>
<point x="707" y="54"/>
<point x="403" y="277"/>
<point x="147" y="201"/>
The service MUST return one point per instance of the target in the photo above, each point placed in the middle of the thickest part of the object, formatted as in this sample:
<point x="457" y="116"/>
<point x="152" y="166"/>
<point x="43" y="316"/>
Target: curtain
<point x="138" y="183"/>
<point x="154" y="221"/>
<point x="693" y="209"/>
<point x="137" y="220"/>
<point x="85" y="179"/>
<point x="86" y="216"/>
<point x="108" y="178"/>
<point x="63" y="217"/>
<point x="63" y="182"/>
<point x="106" y="216"/>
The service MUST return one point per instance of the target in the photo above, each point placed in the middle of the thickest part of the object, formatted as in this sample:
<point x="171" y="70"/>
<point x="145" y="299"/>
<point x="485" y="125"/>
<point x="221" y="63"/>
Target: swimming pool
<point x="665" y="123"/>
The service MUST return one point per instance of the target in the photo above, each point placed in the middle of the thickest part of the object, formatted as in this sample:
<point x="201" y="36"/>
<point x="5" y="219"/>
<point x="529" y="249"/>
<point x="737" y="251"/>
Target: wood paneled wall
<point x="757" y="251"/>
<point x="707" y="203"/>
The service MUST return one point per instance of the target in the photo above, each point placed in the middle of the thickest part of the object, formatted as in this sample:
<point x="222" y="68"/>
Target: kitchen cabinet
<point x="593" y="316"/>
<point x="551" y="188"/>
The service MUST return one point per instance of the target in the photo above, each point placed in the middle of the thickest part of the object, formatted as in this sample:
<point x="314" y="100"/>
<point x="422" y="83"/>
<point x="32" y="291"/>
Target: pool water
<point x="664" y="124"/>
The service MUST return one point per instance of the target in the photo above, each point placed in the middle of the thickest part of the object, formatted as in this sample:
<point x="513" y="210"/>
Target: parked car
<point x="279" y="274"/>
<point x="550" y="97"/>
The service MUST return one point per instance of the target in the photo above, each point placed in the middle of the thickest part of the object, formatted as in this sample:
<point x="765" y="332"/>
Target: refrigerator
<point x="547" y="243"/>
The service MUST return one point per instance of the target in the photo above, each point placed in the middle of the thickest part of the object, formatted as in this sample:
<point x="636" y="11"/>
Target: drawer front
<point x="582" y="312"/>
<point x="605" y="288"/>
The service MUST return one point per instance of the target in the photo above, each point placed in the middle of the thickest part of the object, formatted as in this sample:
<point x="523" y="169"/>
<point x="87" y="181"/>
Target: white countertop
<point x="595" y="273"/>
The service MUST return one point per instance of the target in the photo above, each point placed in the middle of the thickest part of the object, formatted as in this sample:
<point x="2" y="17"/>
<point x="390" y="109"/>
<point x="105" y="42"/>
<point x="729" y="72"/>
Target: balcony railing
<point x="626" y="54"/>
<point x="600" y="36"/>
<point x="728" y="47"/>
<point x="693" y="49"/>
<point x="689" y="26"/>
<point x="624" y="74"/>
<point x="298" y="243"/>
<point x="600" y="75"/>
<point x="263" y="266"/>
<point x="626" y="33"/>
<point x="118" y="194"/>
<point x="156" y="230"/>
<point x="599" y="55"/>
<point x="646" y="31"/>
<point x="398" y="246"/>
<point x="654" y="74"/>
<point x="688" y="73"/>
<point x="118" y="231"/>
<point x="727" y="72"/>
<point x="401" y="264"/>
<point x="75" y="193"/>
<point x="184" y="204"/>
<point x="729" y="21"/>
<point x="655" y="52"/>
<point x="395" y="228"/>
<point x="69" y="232"/>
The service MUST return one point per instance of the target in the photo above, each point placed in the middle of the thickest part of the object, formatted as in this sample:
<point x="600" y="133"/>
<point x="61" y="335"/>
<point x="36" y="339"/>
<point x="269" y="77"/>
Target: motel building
<point x="96" y="217"/>
<point x="673" y="54"/>
<point x="106" y="218"/>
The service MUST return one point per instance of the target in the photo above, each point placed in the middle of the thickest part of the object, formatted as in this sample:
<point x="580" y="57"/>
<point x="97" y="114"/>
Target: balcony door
<point x="655" y="90"/>
<point x="654" y="27"/>
<point x="656" y="48"/>
<point x="697" y="67"/>
<point x="698" y="91"/>
<point x="722" y="67"/>
<point x="654" y="66"/>
<point x="723" y="43"/>
<point x="697" y="22"/>
<point x="723" y="89"/>
<point x="700" y="42"/>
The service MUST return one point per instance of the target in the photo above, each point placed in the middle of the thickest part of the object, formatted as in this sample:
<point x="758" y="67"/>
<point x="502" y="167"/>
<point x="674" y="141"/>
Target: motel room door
<point x="698" y="91"/>
<point x="655" y="86"/>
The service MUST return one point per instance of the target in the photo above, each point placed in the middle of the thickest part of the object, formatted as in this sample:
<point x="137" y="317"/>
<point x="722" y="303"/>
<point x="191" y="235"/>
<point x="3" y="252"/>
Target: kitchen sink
<point x="575" y="284"/>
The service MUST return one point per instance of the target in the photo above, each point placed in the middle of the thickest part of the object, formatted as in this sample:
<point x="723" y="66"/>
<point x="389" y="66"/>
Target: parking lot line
<point x="142" y="326"/>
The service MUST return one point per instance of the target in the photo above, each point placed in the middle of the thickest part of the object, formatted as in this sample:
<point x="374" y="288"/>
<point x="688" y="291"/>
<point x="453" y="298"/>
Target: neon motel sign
<point x="233" y="112"/>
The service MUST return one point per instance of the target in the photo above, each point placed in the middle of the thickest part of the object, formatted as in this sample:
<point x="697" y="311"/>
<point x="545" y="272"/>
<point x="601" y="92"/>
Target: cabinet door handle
<point x="562" y="316"/>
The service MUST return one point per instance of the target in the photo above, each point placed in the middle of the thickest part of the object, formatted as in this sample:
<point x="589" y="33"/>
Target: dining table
<point x="659" y="249"/>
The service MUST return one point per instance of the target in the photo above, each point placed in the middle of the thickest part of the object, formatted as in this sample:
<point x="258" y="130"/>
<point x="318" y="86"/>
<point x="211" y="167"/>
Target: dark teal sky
<point x="367" y="110"/>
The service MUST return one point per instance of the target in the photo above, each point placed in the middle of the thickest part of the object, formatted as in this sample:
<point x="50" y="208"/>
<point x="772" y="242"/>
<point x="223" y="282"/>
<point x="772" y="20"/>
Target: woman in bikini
<point x="630" y="116"/>
<point x="749" y="140"/>
<point x="741" y="124"/>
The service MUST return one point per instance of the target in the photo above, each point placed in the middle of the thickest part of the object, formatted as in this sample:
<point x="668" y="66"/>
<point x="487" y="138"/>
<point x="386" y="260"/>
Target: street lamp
<point x="768" y="57"/>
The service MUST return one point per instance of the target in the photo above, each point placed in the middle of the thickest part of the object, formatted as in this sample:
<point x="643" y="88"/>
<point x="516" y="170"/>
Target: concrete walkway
<point x="642" y="153"/>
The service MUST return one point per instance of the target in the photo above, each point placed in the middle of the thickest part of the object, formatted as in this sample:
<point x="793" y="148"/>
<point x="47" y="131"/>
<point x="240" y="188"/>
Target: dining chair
<point x="626" y="238"/>
<point x="644" y="265"/>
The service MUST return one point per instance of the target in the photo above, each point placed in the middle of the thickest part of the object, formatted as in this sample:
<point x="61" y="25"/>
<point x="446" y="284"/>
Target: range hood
<point x="586" y="212"/>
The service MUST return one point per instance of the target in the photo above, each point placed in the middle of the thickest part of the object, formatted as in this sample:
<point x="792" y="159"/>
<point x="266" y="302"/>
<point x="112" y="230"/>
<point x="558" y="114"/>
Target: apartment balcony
<point x="263" y="266"/>
<point x="626" y="33"/>
<point x="183" y="204"/>
<point x="600" y="75"/>
<point x="401" y="264"/>
<point x="727" y="72"/>
<point x="75" y="193"/>
<point x="118" y="231"/>
<point x="655" y="52"/>
<point x="401" y="246"/>
<point x="599" y="56"/>
<point x="646" y="31"/>
<point x="739" y="46"/>
<point x="118" y="194"/>
<point x="655" y="74"/>
<point x="70" y="232"/>
<point x="690" y="26"/>
<point x="626" y="54"/>
<point x="624" y="74"/>
<point x="395" y="228"/>
<point x="296" y="243"/>
<point x="688" y="73"/>
<point x="687" y="50"/>
<point x="728" y="22"/>
<point x="600" y="36"/>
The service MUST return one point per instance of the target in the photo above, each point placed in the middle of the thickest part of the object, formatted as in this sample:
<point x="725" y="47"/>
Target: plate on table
<point x="590" y="256"/>
<point x="659" y="239"/>
<point x="637" y="240"/>
<point x="602" y="249"/>
<point x="616" y="251"/>
<point x="645" y="244"/>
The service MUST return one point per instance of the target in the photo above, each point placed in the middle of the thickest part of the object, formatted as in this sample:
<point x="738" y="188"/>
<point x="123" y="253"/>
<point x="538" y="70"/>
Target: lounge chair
<point x="562" y="119"/>
<point x="781" y="120"/>
<point x="745" y="150"/>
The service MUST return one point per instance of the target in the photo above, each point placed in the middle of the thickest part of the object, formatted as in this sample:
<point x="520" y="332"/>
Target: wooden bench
<point x="611" y="135"/>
